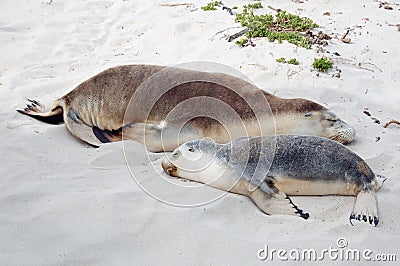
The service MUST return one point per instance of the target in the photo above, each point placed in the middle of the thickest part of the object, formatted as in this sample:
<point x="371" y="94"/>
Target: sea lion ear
<point x="308" y="114"/>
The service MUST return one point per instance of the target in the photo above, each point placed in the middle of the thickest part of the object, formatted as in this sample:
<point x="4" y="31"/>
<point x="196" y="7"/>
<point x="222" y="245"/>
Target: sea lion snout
<point x="169" y="168"/>
<point x="337" y="129"/>
<point x="343" y="132"/>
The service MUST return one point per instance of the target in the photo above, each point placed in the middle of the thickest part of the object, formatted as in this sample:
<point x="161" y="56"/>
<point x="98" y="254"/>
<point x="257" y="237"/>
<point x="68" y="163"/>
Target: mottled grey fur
<point x="261" y="161"/>
<point x="300" y="157"/>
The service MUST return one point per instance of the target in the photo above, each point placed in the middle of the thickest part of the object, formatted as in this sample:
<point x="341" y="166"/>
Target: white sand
<point x="63" y="203"/>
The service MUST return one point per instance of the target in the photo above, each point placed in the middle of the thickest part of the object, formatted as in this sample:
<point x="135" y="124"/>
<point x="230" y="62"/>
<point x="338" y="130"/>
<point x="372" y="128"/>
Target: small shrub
<point x="211" y="6"/>
<point x="254" y="6"/>
<point x="293" y="61"/>
<point x="282" y="26"/>
<point x="281" y="60"/>
<point x="242" y="42"/>
<point x="322" y="64"/>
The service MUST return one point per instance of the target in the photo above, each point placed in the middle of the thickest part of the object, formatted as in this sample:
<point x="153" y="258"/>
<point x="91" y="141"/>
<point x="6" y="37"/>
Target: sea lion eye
<point x="308" y="114"/>
<point x="176" y="154"/>
<point x="331" y="120"/>
<point x="191" y="149"/>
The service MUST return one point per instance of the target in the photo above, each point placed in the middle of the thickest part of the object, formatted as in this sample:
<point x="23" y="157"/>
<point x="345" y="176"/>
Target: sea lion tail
<point x="35" y="110"/>
<point x="365" y="208"/>
<point x="377" y="182"/>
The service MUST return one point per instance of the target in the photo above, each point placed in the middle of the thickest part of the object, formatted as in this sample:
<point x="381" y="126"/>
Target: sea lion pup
<point x="121" y="103"/>
<point x="269" y="168"/>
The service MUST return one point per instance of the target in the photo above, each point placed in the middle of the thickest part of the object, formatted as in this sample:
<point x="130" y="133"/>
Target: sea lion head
<point x="190" y="158"/>
<point x="332" y="127"/>
<point x="304" y="117"/>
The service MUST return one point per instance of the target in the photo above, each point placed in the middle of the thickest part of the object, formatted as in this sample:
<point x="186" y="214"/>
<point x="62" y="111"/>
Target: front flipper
<point x="273" y="201"/>
<point x="79" y="129"/>
<point x="158" y="137"/>
<point x="365" y="208"/>
<point x="106" y="136"/>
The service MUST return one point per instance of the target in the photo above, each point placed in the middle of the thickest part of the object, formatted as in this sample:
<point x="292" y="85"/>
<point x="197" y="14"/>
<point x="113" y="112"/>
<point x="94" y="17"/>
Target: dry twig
<point x="376" y="120"/>
<point x="344" y="39"/>
<point x="275" y="9"/>
<point x="238" y="34"/>
<point x="393" y="121"/>
<point x="177" y="4"/>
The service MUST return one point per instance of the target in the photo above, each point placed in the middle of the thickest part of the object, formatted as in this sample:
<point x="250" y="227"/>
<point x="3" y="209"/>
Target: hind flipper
<point x="36" y="110"/>
<point x="273" y="201"/>
<point x="365" y="208"/>
<point x="33" y="106"/>
<point x="80" y="130"/>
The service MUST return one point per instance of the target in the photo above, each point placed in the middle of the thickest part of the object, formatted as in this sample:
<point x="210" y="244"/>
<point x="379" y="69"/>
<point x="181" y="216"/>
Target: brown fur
<point x="112" y="100"/>
<point x="364" y="169"/>
<point x="102" y="94"/>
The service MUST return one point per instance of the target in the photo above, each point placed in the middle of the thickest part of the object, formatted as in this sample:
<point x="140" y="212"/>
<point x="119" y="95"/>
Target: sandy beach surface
<point x="65" y="203"/>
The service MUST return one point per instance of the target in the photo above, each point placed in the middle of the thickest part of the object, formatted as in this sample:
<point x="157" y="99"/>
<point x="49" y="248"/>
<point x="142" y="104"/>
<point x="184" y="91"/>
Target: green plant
<point x="282" y="26"/>
<point x="211" y="6"/>
<point x="241" y="42"/>
<point x="294" y="22"/>
<point x="322" y="64"/>
<point x="234" y="7"/>
<point x="254" y="6"/>
<point x="281" y="60"/>
<point x="293" y="61"/>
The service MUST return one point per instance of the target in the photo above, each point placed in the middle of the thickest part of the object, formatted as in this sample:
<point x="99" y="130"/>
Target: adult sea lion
<point x="269" y="168"/>
<point x="135" y="102"/>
